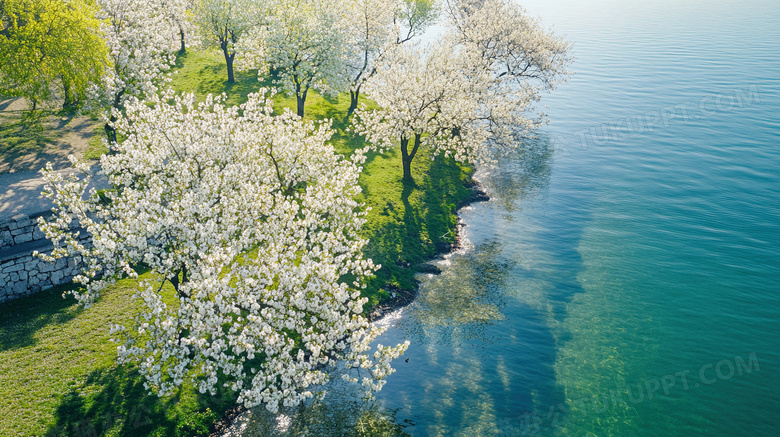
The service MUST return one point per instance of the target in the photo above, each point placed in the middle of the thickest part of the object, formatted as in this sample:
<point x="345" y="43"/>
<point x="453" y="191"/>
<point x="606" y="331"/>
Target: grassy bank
<point x="57" y="367"/>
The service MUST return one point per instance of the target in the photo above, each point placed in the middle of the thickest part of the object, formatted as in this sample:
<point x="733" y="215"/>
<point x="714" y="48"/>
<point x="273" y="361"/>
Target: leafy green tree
<point x="50" y="45"/>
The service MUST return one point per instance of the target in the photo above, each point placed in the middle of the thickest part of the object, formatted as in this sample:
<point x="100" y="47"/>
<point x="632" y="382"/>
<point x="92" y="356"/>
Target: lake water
<point x="625" y="278"/>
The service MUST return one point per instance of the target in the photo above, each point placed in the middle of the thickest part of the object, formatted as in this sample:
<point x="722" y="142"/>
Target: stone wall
<point x="21" y="273"/>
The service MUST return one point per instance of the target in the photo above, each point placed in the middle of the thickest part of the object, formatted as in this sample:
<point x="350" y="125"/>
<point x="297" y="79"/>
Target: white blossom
<point x="222" y="23"/>
<point x="304" y="43"/>
<point x="138" y="36"/>
<point x="373" y="27"/>
<point x="252" y="219"/>
<point x="469" y="94"/>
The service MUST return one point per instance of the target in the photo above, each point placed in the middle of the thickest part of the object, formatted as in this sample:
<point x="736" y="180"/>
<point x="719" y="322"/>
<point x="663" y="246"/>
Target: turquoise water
<point x="624" y="279"/>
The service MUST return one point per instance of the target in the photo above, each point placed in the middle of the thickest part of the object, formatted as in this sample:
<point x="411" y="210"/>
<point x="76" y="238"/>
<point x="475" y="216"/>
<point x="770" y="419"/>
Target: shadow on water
<point x="559" y="230"/>
<point x="464" y="299"/>
<point x="482" y="354"/>
<point x="523" y="174"/>
<point x="520" y="183"/>
<point x="346" y="416"/>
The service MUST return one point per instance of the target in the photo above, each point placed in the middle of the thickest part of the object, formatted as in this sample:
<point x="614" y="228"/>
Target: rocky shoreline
<point x="401" y="298"/>
<point x="228" y="425"/>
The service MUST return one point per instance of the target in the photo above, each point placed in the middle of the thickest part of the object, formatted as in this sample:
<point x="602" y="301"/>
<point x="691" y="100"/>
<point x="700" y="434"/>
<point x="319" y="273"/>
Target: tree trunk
<point x="353" y="101"/>
<point x="110" y="134"/>
<point x="301" y="101"/>
<point x="183" y="49"/>
<point x="407" y="157"/>
<point x="110" y="131"/>
<point x="68" y="101"/>
<point x="229" y="60"/>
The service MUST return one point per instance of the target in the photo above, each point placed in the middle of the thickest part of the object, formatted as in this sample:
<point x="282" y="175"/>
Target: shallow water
<point x="623" y="281"/>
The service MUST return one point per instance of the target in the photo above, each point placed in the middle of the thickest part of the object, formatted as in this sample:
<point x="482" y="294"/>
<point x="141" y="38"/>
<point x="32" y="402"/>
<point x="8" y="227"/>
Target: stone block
<point x="22" y="220"/>
<point x="56" y="277"/>
<point x="13" y="267"/>
<point x="60" y="264"/>
<point x="46" y="267"/>
<point x="38" y="234"/>
<point x="23" y="276"/>
<point x="20" y="287"/>
<point x="14" y="277"/>
<point x="23" y="238"/>
<point x="6" y="236"/>
<point x="32" y="264"/>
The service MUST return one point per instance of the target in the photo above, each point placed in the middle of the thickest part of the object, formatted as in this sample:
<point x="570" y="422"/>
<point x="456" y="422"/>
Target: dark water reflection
<point x="471" y="369"/>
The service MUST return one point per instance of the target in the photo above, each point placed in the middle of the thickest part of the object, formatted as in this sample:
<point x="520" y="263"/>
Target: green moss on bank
<point x="58" y="374"/>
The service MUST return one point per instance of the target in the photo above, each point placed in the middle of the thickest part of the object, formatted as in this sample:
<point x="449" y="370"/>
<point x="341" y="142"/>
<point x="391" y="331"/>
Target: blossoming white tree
<point x="373" y="28"/>
<point x="514" y="47"/>
<point x="137" y="34"/>
<point x="180" y="15"/>
<point x="248" y="223"/>
<point x="224" y="22"/>
<point x="305" y="44"/>
<point x="471" y="93"/>
<point x="420" y="91"/>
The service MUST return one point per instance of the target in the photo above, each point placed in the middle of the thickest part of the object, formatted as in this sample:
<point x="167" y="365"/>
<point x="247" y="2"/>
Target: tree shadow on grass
<point x="417" y="225"/>
<point x="447" y="188"/>
<point x="21" y="318"/>
<point x="26" y="142"/>
<point x="114" y="402"/>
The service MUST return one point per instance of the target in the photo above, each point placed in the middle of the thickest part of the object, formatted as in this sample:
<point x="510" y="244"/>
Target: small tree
<point x="223" y="22"/>
<point x="47" y="45"/>
<point x="422" y="97"/>
<point x="179" y="14"/>
<point x="470" y="94"/>
<point x="374" y="27"/>
<point x="250" y="219"/>
<point x="306" y="46"/>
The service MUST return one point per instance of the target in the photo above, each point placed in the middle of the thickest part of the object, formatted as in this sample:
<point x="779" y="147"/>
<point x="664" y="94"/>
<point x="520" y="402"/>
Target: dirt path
<point x="25" y="149"/>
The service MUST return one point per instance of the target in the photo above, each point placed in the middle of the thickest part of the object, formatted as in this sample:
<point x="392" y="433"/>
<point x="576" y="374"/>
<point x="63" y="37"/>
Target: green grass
<point x="58" y="374"/>
<point x="97" y="147"/>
